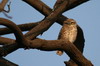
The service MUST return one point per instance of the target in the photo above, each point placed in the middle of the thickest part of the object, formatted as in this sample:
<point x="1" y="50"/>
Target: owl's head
<point x="70" y="22"/>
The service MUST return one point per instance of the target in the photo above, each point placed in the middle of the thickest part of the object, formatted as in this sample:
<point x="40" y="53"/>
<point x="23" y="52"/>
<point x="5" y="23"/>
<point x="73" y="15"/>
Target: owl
<point x="68" y="32"/>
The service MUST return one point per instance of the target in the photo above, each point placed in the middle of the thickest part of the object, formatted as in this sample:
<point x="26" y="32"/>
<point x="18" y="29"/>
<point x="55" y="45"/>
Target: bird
<point x="68" y="32"/>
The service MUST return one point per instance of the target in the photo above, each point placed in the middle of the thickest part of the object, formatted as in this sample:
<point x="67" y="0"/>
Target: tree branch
<point x="6" y="41"/>
<point x="17" y="32"/>
<point x="2" y="5"/>
<point x="69" y="48"/>
<point x="23" y="27"/>
<point x="20" y="39"/>
<point x="52" y="45"/>
<point x="47" y="22"/>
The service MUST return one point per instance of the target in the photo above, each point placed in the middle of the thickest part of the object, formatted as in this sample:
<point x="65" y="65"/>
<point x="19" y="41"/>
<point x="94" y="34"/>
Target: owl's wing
<point x="80" y="40"/>
<point x="61" y="33"/>
<point x="59" y="36"/>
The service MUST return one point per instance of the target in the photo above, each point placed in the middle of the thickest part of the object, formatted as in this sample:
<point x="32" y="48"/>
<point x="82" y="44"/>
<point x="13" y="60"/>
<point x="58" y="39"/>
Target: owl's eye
<point x="67" y="23"/>
<point x="72" y="22"/>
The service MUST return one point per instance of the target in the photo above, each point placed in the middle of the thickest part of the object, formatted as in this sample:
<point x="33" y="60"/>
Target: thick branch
<point x="20" y="39"/>
<point x="23" y="27"/>
<point x="52" y="45"/>
<point x="44" y="9"/>
<point x="47" y="22"/>
<point x="69" y="48"/>
<point x="6" y="41"/>
<point x="17" y="32"/>
<point x="7" y="49"/>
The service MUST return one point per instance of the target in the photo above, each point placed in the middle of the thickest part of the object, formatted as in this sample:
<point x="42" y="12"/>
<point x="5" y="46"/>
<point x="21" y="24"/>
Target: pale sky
<point x="86" y="15"/>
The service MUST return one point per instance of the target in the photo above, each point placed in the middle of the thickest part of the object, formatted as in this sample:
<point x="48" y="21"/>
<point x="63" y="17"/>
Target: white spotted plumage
<point x="68" y="32"/>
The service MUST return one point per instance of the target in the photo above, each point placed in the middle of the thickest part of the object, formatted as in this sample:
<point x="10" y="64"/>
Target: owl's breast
<point x="69" y="34"/>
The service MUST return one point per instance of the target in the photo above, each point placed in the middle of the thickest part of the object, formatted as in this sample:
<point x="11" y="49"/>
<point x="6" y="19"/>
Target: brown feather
<point x="68" y="32"/>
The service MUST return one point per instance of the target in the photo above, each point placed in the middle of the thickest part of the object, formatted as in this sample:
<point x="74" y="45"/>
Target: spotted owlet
<point x="68" y="32"/>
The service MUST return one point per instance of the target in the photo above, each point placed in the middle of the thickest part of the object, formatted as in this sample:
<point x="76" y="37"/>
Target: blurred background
<point x="87" y="15"/>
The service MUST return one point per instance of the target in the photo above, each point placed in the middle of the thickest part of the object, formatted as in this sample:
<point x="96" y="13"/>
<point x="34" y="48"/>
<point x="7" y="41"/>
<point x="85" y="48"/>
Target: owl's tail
<point x="59" y="53"/>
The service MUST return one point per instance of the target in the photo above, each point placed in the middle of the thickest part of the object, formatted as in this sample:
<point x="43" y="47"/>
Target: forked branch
<point x="48" y="21"/>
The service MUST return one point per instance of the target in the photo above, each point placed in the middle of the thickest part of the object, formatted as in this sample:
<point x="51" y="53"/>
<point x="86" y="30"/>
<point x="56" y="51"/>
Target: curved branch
<point x="7" y="11"/>
<point x="23" y="27"/>
<point x="3" y="4"/>
<point x="17" y="32"/>
<point x="20" y="39"/>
